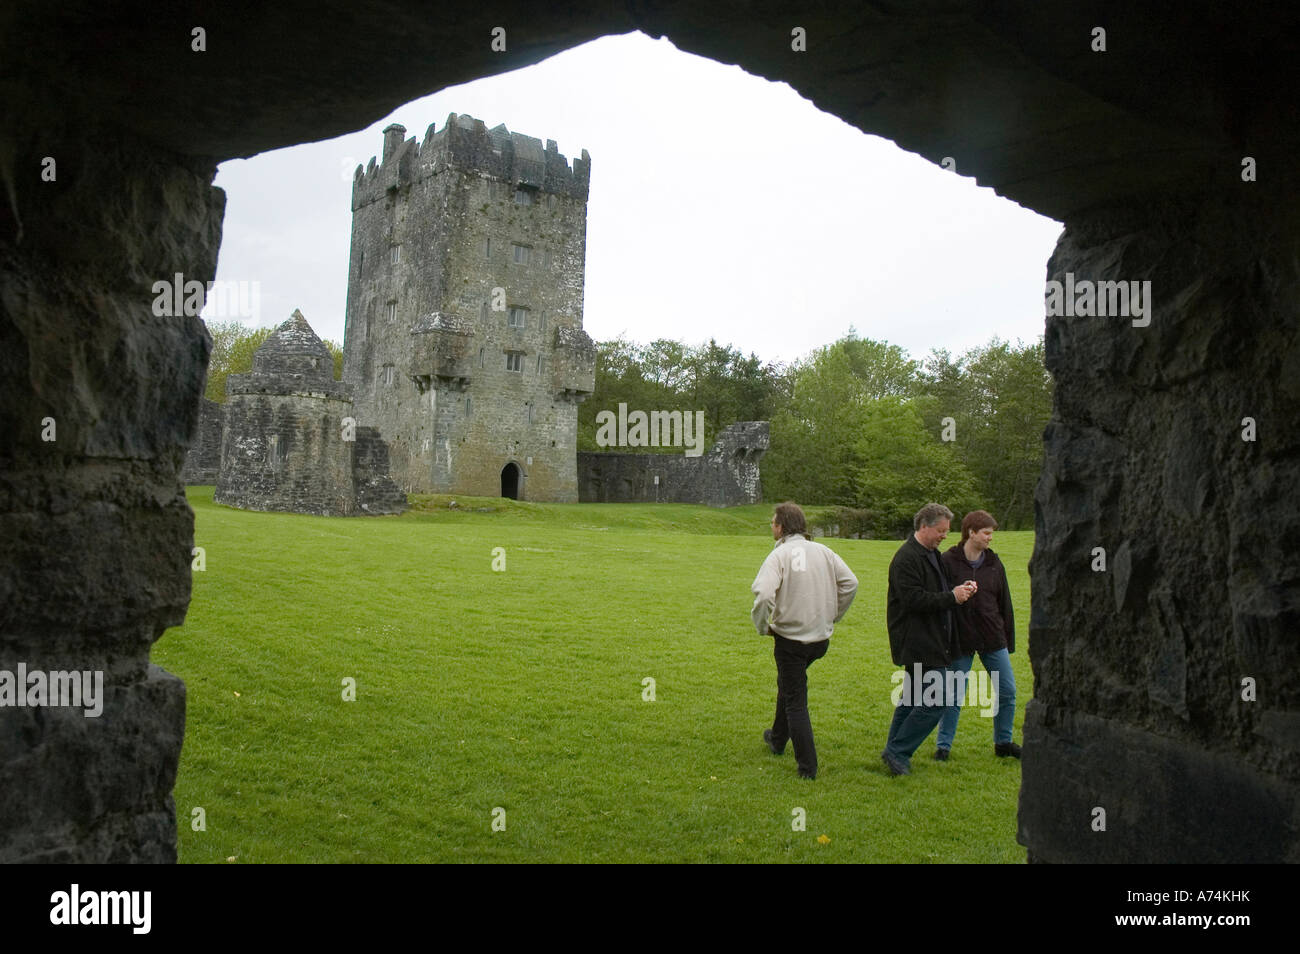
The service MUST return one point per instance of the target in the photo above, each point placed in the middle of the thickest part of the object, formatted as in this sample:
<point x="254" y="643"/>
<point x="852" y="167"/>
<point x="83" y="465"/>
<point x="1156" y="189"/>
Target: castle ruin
<point x="289" y="440"/>
<point x="463" y="340"/>
<point x="725" y="476"/>
<point x="464" y="353"/>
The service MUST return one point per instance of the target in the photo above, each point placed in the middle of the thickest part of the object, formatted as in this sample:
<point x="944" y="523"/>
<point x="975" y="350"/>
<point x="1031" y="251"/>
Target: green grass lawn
<point x="522" y="690"/>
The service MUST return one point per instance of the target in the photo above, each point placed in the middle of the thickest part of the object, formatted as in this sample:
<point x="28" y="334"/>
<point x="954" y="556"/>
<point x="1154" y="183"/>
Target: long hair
<point x="790" y="516"/>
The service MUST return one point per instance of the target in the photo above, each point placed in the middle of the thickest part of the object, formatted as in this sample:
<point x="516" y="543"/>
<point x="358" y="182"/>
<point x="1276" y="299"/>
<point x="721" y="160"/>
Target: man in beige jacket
<point x="802" y="590"/>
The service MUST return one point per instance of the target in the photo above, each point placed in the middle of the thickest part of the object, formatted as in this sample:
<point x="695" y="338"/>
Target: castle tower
<point x="463" y="341"/>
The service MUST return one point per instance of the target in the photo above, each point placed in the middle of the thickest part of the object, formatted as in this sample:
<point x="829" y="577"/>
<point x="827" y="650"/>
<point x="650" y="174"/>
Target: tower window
<point x="523" y="196"/>
<point x="469" y="406"/>
<point x="539" y="364"/>
<point x="515" y="361"/>
<point x="388" y="376"/>
<point x="395" y="254"/>
<point x="392" y="311"/>
<point x="523" y="254"/>
<point x="518" y="317"/>
<point x="530" y="415"/>
<point x="487" y="246"/>
<point x="481" y="356"/>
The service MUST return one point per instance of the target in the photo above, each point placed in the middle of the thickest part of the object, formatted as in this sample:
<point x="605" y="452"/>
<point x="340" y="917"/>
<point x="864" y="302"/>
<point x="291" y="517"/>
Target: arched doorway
<point x="1010" y="133"/>
<point x="510" y="479"/>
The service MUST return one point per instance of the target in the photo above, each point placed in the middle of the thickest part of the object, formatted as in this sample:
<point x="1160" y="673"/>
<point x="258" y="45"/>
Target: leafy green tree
<point x="999" y="398"/>
<point x="336" y="352"/>
<point x="233" y="345"/>
<point x="671" y="376"/>
<point x="820" y="410"/>
<point x="621" y="377"/>
<point x="904" y="467"/>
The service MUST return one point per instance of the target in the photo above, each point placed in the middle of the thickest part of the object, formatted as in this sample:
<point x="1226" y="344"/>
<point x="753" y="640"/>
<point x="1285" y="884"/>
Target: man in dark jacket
<point x="985" y="625"/>
<point x="922" y="636"/>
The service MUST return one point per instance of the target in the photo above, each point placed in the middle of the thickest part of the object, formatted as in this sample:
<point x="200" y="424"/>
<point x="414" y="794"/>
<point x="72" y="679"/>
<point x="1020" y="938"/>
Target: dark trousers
<point x="912" y="723"/>
<point x="792" y="722"/>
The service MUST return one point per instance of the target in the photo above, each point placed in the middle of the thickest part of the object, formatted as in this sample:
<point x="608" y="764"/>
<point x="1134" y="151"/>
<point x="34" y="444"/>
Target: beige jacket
<point x="802" y="590"/>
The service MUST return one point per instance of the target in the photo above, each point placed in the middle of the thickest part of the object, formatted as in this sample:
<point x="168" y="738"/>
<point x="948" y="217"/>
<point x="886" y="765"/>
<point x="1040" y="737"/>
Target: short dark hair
<point x="790" y="516"/>
<point x="976" y="520"/>
<point x="929" y="515"/>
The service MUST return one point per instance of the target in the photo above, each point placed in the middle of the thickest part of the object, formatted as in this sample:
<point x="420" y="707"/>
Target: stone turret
<point x="295" y="356"/>
<point x="289" y="436"/>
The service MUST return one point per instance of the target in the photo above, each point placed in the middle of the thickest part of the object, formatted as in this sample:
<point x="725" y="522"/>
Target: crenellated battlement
<point x="467" y="144"/>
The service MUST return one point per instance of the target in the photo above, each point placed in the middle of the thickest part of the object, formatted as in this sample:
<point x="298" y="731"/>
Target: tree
<point x="232" y="353"/>
<point x="671" y="376"/>
<point x="905" y="466"/>
<point x="815" y="455"/>
<point x="999" y="398"/>
<point x="336" y="352"/>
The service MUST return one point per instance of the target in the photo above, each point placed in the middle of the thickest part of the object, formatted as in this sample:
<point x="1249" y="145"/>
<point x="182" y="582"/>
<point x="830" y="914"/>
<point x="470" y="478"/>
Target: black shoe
<point x="808" y="776"/>
<point x="941" y="755"/>
<point x="895" y="766"/>
<point x="1003" y="749"/>
<point x="767" y="737"/>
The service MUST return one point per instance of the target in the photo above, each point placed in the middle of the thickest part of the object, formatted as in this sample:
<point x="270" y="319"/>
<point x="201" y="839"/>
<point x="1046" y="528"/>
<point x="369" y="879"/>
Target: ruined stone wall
<point x="457" y="387"/>
<point x="374" y="491"/>
<point x="137" y="122"/>
<point x="203" y="461"/>
<point x="726" y="476"/>
<point x="1139" y="667"/>
<point x="285" y="452"/>
<point x="99" y="400"/>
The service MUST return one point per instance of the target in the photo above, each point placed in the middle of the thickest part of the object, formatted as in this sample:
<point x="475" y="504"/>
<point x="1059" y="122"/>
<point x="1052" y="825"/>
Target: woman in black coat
<point x="985" y="625"/>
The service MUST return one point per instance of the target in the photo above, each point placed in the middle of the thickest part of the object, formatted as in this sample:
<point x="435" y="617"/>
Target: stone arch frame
<point x="1138" y="150"/>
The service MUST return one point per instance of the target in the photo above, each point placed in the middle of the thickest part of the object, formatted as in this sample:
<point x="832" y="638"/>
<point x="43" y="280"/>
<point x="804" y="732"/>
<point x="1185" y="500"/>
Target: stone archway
<point x="512" y="481"/>
<point x="1168" y="156"/>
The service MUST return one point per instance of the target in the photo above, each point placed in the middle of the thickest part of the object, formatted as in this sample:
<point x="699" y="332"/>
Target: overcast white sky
<point x="722" y="205"/>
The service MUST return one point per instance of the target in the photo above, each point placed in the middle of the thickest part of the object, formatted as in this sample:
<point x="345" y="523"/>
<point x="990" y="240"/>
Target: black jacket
<point x="985" y="622"/>
<point x="919" y="610"/>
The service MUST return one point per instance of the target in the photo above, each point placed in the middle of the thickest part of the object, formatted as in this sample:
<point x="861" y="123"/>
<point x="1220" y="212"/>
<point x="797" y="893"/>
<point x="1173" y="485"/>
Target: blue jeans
<point x="998" y="662"/>
<point x="913" y="723"/>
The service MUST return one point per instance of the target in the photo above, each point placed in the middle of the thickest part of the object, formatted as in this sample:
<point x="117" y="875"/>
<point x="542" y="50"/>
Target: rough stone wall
<point x="282" y="445"/>
<point x="285" y="452"/>
<point x="1139" y="668"/>
<point x="374" y="491"/>
<point x="203" y="461"/>
<point x="137" y="122"/>
<point x="457" y="387"/>
<point x="95" y="533"/>
<point x="726" y="476"/>
<point x="290" y="441"/>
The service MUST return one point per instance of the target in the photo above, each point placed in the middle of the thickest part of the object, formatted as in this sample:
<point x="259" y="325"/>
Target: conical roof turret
<point x="294" y="348"/>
